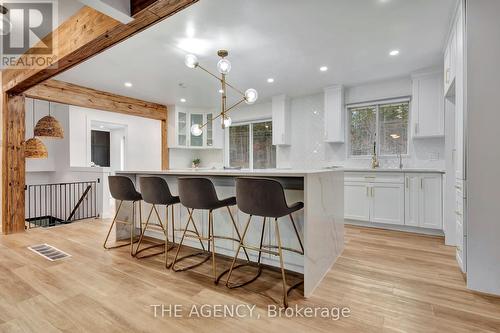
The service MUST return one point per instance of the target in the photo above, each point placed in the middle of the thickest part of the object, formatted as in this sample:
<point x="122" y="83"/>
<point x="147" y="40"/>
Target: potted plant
<point x="196" y="163"/>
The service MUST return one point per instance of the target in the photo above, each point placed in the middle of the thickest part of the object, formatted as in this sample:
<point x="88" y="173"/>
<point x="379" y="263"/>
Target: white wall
<point x="143" y="138"/>
<point x="308" y="149"/>
<point x="483" y="155"/>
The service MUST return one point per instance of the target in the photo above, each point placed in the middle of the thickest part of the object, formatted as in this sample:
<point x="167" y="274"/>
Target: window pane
<point x="264" y="153"/>
<point x="239" y="148"/>
<point x="393" y="128"/>
<point x="362" y="129"/>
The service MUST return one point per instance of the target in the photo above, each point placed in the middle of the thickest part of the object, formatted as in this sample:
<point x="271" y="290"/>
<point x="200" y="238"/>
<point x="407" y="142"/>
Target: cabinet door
<point x="356" y="201"/>
<point x="412" y="197"/>
<point x="387" y="203"/>
<point x="447" y="69"/>
<point x="182" y="129"/>
<point x="196" y="141"/>
<point x="431" y="202"/>
<point x="209" y="137"/>
<point x="428" y="106"/>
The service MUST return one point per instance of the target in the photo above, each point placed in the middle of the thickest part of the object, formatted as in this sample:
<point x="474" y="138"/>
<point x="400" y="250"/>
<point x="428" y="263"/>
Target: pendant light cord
<point x="49" y="107"/>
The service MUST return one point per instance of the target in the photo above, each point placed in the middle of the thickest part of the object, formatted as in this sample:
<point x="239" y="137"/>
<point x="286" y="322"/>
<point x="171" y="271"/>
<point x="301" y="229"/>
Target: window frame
<point x="376" y="105"/>
<point x="250" y="123"/>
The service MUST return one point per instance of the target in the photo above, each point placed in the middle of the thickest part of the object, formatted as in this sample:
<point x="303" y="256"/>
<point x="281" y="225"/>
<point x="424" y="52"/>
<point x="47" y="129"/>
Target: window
<point x="384" y="126"/>
<point x="100" y="150"/>
<point x="251" y="146"/>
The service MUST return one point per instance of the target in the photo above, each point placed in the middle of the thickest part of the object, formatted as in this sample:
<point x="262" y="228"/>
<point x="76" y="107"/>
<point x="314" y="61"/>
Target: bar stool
<point x="123" y="189"/>
<point x="265" y="198"/>
<point x="199" y="193"/>
<point x="155" y="191"/>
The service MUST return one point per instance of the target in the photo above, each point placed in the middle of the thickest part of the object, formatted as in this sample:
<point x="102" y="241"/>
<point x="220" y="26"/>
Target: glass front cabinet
<point x="212" y="137"/>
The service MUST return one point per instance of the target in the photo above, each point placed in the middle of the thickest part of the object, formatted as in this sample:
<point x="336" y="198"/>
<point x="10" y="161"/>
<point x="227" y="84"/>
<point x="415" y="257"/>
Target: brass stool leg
<point x="132" y="227"/>
<point x="237" y="231"/>
<point x="190" y="219"/>
<point x="296" y="233"/>
<point x="283" y="275"/>
<point x="212" y="239"/>
<point x="111" y="227"/>
<point x="238" y="251"/>
<point x="144" y="230"/>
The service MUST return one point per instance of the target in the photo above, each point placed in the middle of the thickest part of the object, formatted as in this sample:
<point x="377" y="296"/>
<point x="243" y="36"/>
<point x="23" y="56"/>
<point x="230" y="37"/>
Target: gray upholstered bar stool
<point x="265" y="198"/>
<point x="123" y="189"/>
<point x="199" y="193"/>
<point x="155" y="191"/>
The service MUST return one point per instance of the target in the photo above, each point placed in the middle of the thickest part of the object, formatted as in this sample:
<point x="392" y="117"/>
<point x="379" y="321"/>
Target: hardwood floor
<point x="390" y="281"/>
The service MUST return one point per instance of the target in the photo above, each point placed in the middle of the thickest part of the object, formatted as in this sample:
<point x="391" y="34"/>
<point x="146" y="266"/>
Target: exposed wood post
<point x="164" y="145"/>
<point x="81" y="37"/>
<point x="13" y="164"/>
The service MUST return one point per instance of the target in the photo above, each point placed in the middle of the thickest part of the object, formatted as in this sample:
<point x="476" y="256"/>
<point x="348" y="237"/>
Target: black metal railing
<point x="49" y="205"/>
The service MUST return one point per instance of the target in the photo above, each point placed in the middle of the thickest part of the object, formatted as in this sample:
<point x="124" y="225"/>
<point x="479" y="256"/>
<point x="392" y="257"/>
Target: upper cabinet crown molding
<point x="281" y="121"/>
<point x="334" y="114"/>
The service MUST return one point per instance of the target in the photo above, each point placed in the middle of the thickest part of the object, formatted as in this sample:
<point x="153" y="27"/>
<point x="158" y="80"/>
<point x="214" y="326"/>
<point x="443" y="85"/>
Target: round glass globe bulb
<point x="251" y="96"/>
<point x="196" y="130"/>
<point x="224" y="66"/>
<point x="227" y="121"/>
<point x="191" y="60"/>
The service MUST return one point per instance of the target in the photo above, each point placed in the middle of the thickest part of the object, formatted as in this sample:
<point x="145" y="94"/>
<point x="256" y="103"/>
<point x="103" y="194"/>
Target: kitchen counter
<point x="404" y="170"/>
<point x="320" y="223"/>
<point x="242" y="173"/>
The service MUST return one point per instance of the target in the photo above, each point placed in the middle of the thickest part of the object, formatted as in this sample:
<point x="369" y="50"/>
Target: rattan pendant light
<point x="34" y="147"/>
<point x="49" y="127"/>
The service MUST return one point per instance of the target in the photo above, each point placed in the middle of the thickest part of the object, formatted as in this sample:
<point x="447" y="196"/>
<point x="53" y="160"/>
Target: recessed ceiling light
<point x="323" y="68"/>
<point x="394" y="53"/>
<point x="128" y="84"/>
<point x="183" y="100"/>
<point x="270" y="80"/>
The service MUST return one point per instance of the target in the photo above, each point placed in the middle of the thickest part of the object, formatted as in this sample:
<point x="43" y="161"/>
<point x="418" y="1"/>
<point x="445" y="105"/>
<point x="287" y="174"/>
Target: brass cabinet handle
<point x="458" y="213"/>
<point x="373" y="192"/>
<point x="422" y="183"/>
<point x="407" y="180"/>
<point x="367" y="191"/>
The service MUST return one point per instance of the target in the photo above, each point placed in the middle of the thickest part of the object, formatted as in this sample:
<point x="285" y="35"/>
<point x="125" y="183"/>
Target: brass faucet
<point x="375" y="161"/>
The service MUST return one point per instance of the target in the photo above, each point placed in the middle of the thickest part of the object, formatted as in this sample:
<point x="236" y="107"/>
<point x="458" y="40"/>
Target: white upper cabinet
<point x="180" y="122"/>
<point x="427" y="107"/>
<point x="334" y="114"/>
<point x="281" y="120"/>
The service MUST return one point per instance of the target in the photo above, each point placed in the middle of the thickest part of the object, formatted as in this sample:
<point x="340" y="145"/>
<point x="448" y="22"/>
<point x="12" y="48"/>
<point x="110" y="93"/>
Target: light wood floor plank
<point x="391" y="281"/>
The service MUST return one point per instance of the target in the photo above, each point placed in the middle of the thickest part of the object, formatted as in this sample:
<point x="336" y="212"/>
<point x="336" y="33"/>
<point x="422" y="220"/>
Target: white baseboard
<point x="406" y="228"/>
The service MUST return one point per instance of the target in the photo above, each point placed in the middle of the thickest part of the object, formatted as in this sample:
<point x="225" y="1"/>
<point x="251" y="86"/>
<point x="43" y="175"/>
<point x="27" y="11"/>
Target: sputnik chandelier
<point x="224" y="67"/>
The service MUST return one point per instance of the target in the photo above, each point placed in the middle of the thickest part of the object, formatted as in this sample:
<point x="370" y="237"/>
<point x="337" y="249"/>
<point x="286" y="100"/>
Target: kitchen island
<point x="320" y="223"/>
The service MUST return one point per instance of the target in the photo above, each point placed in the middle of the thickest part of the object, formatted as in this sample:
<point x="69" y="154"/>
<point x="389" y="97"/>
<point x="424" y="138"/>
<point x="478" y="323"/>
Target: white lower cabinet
<point x="387" y="204"/>
<point x="412" y="199"/>
<point x="357" y="201"/>
<point x="424" y="201"/>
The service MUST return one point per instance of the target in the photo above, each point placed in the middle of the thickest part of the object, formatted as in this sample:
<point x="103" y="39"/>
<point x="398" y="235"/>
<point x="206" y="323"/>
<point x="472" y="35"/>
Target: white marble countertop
<point x="222" y="172"/>
<point x="404" y="170"/>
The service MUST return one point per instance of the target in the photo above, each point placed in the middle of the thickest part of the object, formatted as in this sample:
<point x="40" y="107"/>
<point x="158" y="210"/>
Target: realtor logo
<point x="24" y="25"/>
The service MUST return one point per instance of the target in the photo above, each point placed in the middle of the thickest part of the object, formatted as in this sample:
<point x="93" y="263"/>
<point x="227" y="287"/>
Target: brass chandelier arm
<point x="226" y="111"/>
<point x="220" y="80"/>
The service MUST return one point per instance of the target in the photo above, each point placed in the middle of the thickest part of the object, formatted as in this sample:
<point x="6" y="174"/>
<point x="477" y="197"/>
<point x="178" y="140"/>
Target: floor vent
<point x="49" y="252"/>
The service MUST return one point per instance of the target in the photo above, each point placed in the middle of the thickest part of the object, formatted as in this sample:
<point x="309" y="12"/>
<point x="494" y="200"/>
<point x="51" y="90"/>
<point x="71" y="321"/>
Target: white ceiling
<point x="287" y="40"/>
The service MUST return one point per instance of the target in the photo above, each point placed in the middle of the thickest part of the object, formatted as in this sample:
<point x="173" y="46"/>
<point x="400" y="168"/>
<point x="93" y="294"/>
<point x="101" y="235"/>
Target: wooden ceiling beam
<point x="72" y="94"/>
<point x="81" y="37"/>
